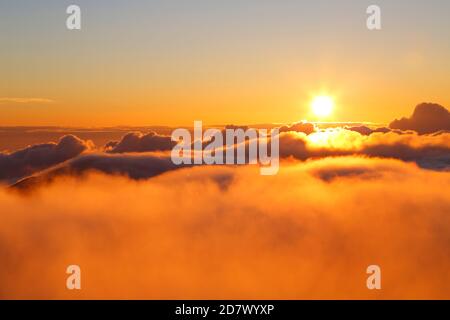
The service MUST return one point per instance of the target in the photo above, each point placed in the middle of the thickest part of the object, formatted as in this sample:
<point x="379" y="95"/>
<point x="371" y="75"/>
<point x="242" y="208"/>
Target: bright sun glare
<point x="322" y="106"/>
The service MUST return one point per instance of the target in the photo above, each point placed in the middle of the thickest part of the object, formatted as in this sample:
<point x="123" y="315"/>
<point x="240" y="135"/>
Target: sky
<point x="242" y="62"/>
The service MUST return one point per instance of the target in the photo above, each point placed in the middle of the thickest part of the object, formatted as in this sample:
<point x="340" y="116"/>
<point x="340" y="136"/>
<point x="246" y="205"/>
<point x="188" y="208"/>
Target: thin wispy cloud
<point x="5" y="100"/>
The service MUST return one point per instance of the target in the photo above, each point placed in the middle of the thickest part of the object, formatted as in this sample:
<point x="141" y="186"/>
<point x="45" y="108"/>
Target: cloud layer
<point x="428" y="151"/>
<point x="227" y="232"/>
<point x="301" y="141"/>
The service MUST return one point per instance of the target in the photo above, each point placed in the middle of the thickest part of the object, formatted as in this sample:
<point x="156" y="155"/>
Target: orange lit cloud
<point x="429" y="151"/>
<point x="227" y="232"/>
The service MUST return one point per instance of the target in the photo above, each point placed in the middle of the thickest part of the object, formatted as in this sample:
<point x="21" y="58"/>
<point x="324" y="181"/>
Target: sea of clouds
<point x="140" y="227"/>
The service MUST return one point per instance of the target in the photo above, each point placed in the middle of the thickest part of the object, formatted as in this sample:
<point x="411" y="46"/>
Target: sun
<point x="322" y="106"/>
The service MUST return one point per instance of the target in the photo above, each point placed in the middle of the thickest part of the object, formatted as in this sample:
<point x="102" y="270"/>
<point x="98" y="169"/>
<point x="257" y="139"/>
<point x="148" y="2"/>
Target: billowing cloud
<point x="427" y="118"/>
<point x="430" y="151"/>
<point x="138" y="142"/>
<point x="214" y="232"/>
<point x="41" y="156"/>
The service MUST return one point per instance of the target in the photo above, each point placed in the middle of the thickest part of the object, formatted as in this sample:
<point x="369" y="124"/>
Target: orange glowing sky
<point x="172" y="63"/>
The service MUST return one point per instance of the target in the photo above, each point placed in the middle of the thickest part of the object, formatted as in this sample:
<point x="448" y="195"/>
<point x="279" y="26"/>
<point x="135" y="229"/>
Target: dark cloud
<point x="138" y="142"/>
<point x="366" y="131"/>
<point x="134" y="166"/>
<point x="41" y="156"/>
<point x="305" y="127"/>
<point x="235" y="127"/>
<point x="427" y="118"/>
<point x="435" y="157"/>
